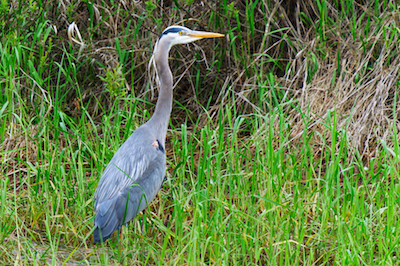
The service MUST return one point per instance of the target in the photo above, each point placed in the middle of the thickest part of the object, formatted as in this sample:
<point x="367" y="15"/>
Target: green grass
<point x="256" y="174"/>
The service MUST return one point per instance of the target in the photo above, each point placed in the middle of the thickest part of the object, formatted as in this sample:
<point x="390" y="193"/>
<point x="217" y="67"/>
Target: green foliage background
<point x="282" y="148"/>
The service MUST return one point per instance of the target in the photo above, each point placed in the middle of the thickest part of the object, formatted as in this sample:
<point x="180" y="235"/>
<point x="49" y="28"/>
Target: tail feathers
<point x="106" y="221"/>
<point x="98" y="236"/>
<point x="114" y="212"/>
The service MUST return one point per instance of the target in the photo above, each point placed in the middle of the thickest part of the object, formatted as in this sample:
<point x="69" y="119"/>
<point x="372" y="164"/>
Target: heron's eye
<point x="180" y="33"/>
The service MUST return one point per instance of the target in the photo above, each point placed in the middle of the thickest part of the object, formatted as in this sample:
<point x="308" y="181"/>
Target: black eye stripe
<point x="171" y="30"/>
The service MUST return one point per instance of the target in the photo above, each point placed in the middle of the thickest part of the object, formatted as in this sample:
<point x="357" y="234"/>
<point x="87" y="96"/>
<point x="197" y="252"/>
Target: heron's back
<point x="129" y="183"/>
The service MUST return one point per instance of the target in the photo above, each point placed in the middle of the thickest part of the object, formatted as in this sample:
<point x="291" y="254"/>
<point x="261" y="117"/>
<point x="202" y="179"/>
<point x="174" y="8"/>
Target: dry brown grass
<point x="356" y="78"/>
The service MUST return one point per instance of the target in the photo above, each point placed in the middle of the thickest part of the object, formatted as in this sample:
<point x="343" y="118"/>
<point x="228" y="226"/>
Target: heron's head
<point x="175" y="35"/>
<point x="180" y="35"/>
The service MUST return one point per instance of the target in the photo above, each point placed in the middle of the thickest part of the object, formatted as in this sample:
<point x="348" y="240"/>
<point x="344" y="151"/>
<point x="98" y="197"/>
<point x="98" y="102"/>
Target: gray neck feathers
<point x="160" y="119"/>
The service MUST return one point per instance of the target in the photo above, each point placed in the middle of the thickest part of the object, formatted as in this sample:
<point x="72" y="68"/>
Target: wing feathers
<point x="130" y="181"/>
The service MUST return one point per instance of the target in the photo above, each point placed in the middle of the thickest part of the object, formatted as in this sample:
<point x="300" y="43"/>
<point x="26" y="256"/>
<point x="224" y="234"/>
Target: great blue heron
<point x="135" y="173"/>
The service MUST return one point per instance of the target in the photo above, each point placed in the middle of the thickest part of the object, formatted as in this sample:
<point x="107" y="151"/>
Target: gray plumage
<point x="135" y="173"/>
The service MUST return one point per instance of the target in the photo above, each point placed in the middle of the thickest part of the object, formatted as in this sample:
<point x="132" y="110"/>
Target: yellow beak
<point x="203" y="34"/>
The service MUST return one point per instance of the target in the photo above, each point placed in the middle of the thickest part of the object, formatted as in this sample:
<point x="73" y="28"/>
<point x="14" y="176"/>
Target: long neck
<point x="160" y="118"/>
